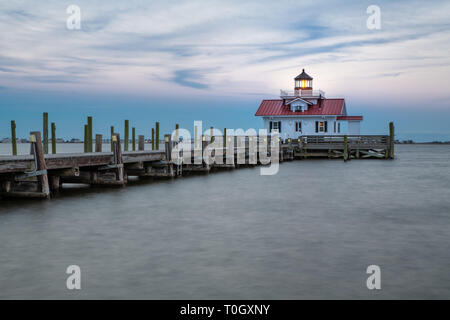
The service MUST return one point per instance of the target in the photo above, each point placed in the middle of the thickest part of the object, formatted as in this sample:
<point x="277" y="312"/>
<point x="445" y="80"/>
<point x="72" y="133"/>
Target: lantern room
<point x="303" y="81"/>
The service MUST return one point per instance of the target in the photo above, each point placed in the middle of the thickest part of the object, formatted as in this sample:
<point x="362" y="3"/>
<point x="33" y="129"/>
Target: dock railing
<point x="353" y="141"/>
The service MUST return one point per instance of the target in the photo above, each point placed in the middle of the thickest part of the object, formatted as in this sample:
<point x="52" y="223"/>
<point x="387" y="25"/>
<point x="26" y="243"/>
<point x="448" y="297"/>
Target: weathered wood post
<point x="118" y="157"/>
<point x="391" y="140"/>
<point x="177" y="127"/>
<point x="112" y="133"/>
<point x="126" y="134"/>
<point x="141" y="143"/>
<point x="196" y="144"/>
<point x="224" y="137"/>
<point x="345" y="148"/>
<point x="13" y="138"/>
<point x="204" y="146"/>
<point x="54" y="182"/>
<point x="153" y="138"/>
<point x="168" y="146"/>
<point x="53" y="138"/>
<point x="89" y="146"/>
<point x="157" y="136"/>
<point x="133" y="138"/>
<point x="85" y="140"/>
<point x="45" y="131"/>
<point x="211" y="138"/>
<point x="98" y="143"/>
<point x="35" y="138"/>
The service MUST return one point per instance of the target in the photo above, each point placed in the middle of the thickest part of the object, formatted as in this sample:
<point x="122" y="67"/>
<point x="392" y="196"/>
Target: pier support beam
<point x="126" y="135"/>
<point x="98" y="143"/>
<point x="168" y="146"/>
<point x="111" y="137"/>
<point x="53" y="138"/>
<point x="133" y="139"/>
<point x="118" y="161"/>
<point x="89" y="145"/>
<point x="6" y="186"/>
<point x="157" y="136"/>
<point x="141" y="143"/>
<point x="153" y="138"/>
<point x="391" y="140"/>
<point x="54" y="183"/>
<point x="13" y="138"/>
<point x="45" y="131"/>
<point x="345" y="148"/>
<point x="35" y="138"/>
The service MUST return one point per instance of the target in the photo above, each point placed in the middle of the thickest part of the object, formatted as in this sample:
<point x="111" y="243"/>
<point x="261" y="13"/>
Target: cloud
<point x="189" y="78"/>
<point x="228" y="47"/>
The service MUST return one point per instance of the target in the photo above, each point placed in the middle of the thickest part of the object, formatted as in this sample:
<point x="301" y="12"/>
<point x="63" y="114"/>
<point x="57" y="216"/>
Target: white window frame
<point x="275" y="126"/>
<point x="321" y="128"/>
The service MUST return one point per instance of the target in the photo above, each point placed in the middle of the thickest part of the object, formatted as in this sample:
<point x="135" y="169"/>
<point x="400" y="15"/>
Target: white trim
<point x="299" y="99"/>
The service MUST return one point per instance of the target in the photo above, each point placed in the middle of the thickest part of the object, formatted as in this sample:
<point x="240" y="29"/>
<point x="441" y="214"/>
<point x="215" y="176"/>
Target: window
<point x="298" y="126"/>
<point x="334" y="127"/>
<point x="275" y="125"/>
<point x="321" y="126"/>
<point x="339" y="127"/>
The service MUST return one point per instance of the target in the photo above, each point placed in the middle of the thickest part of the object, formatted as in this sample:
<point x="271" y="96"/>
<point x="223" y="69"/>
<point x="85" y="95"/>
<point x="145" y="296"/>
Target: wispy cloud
<point x="228" y="47"/>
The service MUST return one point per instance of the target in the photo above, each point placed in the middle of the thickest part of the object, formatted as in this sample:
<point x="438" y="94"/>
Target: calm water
<point x="308" y="232"/>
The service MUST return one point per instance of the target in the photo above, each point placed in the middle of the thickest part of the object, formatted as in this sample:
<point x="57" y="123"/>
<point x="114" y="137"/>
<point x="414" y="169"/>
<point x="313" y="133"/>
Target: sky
<point x="180" y="61"/>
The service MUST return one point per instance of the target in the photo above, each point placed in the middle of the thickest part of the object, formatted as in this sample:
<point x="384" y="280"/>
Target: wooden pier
<point x="39" y="174"/>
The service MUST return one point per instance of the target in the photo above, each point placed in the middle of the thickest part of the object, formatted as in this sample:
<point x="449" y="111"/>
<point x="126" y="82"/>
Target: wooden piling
<point x="112" y="133"/>
<point x="13" y="138"/>
<point x="118" y="157"/>
<point x="211" y="134"/>
<point x="53" y="138"/>
<point x="141" y="143"/>
<point x="224" y="137"/>
<point x="153" y="138"/>
<point x="126" y="135"/>
<point x="391" y="140"/>
<point x="157" y="136"/>
<point x="90" y="142"/>
<point x="345" y="148"/>
<point x="54" y="182"/>
<point x="85" y="140"/>
<point x="45" y="131"/>
<point x="133" y="138"/>
<point x="177" y="127"/>
<point x="98" y="143"/>
<point x="196" y="137"/>
<point x="35" y="137"/>
<point x="168" y="146"/>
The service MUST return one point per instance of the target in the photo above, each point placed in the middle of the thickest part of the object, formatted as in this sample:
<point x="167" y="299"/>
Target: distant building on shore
<point x="305" y="111"/>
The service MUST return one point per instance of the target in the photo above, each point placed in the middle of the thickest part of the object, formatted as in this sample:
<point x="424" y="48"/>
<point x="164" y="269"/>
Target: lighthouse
<point x="304" y="111"/>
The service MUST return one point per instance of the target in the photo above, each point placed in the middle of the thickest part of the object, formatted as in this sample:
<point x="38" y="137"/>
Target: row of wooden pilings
<point x="88" y="136"/>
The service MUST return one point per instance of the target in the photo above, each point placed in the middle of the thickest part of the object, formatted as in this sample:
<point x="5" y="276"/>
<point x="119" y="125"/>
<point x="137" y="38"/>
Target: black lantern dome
<point x="303" y="81"/>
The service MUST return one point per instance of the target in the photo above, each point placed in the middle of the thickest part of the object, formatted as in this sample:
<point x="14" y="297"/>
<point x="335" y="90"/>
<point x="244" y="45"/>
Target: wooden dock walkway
<point x="38" y="175"/>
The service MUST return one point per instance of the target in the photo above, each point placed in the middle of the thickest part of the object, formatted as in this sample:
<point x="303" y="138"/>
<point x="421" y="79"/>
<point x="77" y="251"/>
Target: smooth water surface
<point x="308" y="232"/>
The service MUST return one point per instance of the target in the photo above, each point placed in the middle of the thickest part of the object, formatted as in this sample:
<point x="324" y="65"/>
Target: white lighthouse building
<point x="305" y="111"/>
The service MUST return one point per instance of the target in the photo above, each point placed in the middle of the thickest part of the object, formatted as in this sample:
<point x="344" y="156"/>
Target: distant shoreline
<point x="428" y="142"/>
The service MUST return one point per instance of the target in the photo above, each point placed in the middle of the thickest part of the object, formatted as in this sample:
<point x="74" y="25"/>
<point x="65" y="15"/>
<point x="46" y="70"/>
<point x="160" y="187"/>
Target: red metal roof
<point x="276" y="108"/>
<point x="350" y="118"/>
